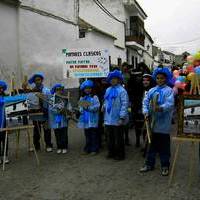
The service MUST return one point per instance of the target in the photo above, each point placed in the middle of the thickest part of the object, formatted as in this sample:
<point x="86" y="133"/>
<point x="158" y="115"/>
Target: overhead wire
<point x="105" y="10"/>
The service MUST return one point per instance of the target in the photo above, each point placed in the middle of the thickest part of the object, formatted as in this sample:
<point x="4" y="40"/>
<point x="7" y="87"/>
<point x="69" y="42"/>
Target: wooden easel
<point x="179" y="141"/>
<point x="18" y="131"/>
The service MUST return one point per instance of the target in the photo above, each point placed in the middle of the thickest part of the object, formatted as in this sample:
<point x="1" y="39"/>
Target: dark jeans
<point x="61" y="137"/>
<point x="116" y="146"/>
<point x="101" y="132"/>
<point x="2" y="143"/>
<point x="92" y="140"/>
<point x="36" y="135"/>
<point x="160" y="143"/>
<point x="139" y="127"/>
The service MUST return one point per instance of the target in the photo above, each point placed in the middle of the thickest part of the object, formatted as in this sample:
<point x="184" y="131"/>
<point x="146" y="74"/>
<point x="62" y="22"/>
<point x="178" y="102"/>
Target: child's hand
<point x="121" y="122"/>
<point x="158" y="109"/>
<point x="146" y="117"/>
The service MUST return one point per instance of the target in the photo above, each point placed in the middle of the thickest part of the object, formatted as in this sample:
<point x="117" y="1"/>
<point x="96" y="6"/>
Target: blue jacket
<point x="46" y="91"/>
<point x="160" y="121"/>
<point x="116" y="103"/>
<point x="57" y="120"/>
<point x="6" y="100"/>
<point x="89" y="117"/>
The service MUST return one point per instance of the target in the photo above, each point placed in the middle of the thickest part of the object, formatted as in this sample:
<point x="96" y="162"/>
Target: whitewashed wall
<point x="8" y="42"/>
<point x="97" y="40"/>
<point x="134" y="52"/>
<point x="42" y="37"/>
<point x="92" y="14"/>
<point x="61" y="8"/>
<point x="41" y="41"/>
<point x="148" y="53"/>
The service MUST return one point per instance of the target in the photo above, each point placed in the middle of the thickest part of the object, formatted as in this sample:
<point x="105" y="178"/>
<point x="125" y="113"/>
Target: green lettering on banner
<point x="64" y="51"/>
<point x="71" y="62"/>
<point x="83" y="62"/>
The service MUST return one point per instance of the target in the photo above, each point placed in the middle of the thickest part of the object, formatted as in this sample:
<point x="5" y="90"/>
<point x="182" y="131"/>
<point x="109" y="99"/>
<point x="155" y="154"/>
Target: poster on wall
<point x="85" y="63"/>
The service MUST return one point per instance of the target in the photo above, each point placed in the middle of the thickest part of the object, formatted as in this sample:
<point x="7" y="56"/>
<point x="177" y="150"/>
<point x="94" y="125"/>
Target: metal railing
<point x="135" y="35"/>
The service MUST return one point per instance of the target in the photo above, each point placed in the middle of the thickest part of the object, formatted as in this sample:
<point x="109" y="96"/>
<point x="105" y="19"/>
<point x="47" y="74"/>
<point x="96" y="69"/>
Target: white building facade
<point x="9" y="44"/>
<point x="38" y="30"/>
<point x="135" y="32"/>
<point x="148" y="52"/>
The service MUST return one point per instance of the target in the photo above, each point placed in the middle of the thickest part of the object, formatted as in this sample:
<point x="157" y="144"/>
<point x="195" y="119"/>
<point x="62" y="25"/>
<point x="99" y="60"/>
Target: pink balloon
<point x="177" y="84"/>
<point x="176" y="73"/>
<point x="180" y="85"/>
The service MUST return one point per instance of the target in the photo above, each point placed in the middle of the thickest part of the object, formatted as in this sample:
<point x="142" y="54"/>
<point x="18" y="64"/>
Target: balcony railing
<point x="134" y="35"/>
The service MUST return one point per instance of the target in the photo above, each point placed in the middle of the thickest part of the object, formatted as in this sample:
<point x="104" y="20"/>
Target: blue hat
<point x="162" y="70"/>
<point x="38" y="74"/>
<point x="3" y="85"/>
<point x="115" y="74"/>
<point x="87" y="83"/>
<point x="57" y="85"/>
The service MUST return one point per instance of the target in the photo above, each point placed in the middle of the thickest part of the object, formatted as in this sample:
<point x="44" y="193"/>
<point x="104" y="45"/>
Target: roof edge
<point x="12" y="2"/>
<point x="97" y="29"/>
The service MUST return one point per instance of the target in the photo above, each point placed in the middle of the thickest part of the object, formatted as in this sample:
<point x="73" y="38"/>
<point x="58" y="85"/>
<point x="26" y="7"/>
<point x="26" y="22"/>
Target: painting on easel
<point x="189" y="116"/>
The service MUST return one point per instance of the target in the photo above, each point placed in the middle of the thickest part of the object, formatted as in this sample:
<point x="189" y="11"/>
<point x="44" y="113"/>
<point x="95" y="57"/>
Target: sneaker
<point x="7" y="160"/>
<point x="59" y="151"/>
<point x="49" y="149"/>
<point x="165" y="171"/>
<point x="64" y="151"/>
<point x="146" y="168"/>
<point x="31" y="150"/>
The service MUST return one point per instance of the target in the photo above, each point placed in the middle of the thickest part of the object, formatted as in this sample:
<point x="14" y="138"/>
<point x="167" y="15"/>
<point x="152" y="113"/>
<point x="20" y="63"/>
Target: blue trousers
<point x="92" y="140"/>
<point x="160" y="144"/>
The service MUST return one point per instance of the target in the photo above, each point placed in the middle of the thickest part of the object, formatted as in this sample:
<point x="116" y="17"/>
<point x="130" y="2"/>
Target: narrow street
<point x="77" y="177"/>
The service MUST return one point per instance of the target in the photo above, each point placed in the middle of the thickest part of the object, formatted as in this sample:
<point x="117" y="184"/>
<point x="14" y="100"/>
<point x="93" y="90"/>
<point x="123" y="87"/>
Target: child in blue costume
<point x="89" y="108"/>
<point x="58" y="120"/>
<point x="3" y="101"/>
<point x="37" y="80"/>
<point x="115" y="109"/>
<point x="158" y="105"/>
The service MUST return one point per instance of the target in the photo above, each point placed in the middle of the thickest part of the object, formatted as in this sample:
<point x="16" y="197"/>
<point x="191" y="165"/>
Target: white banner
<point x="86" y="63"/>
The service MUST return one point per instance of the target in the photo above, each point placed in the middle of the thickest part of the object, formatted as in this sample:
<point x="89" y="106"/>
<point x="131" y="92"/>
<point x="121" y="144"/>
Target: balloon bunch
<point x="180" y="80"/>
<point x="189" y="74"/>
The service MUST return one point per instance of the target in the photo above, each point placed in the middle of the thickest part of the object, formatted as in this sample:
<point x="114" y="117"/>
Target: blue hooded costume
<point x="89" y="117"/>
<point x="43" y="90"/>
<point x="164" y="97"/>
<point x="116" y="101"/>
<point x="56" y="119"/>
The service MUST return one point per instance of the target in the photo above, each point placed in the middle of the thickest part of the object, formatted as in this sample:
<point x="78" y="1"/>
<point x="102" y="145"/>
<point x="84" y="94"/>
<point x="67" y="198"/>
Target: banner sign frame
<point x="86" y="63"/>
